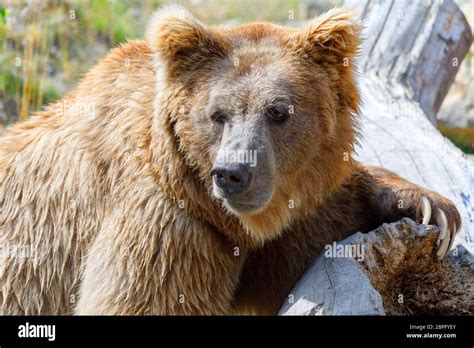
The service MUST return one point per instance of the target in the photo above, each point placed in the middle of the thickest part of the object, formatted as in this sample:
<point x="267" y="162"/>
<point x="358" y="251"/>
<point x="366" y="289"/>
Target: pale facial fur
<point x="253" y="100"/>
<point x="239" y="118"/>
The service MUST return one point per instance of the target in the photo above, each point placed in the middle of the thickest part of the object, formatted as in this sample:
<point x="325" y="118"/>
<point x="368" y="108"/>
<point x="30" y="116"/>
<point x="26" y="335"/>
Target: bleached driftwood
<point x="417" y="44"/>
<point x="405" y="71"/>
<point x="408" y="61"/>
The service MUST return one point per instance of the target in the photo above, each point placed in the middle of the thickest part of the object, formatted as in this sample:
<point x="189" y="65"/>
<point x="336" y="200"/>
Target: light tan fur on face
<point x="253" y="47"/>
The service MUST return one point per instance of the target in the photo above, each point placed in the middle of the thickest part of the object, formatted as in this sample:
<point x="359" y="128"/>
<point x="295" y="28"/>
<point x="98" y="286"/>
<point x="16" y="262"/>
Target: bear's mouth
<point x="240" y="207"/>
<point x="240" y="190"/>
<point x="249" y="203"/>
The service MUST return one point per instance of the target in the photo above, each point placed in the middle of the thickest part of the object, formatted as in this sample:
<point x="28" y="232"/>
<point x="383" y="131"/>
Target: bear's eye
<point x="218" y="116"/>
<point x="278" y="114"/>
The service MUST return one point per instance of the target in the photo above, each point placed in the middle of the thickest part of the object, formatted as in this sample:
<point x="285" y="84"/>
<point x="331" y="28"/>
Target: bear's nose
<point x="232" y="178"/>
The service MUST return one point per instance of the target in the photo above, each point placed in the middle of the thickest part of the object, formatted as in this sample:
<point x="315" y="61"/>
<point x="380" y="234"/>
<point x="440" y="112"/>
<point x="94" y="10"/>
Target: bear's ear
<point x="179" y="38"/>
<point x="337" y="32"/>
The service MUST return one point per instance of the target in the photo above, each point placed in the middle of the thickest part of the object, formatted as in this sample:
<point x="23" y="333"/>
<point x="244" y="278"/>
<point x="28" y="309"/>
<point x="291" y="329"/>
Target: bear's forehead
<point x="258" y="31"/>
<point x="250" y="87"/>
<point x="259" y="49"/>
<point x="258" y="69"/>
<point x="266" y="43"/>
<point x="251" y="61"/>
<point x="253" y="89"/>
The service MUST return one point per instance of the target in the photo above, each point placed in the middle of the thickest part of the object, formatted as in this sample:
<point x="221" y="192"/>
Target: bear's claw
<point x="446" y="235"/>
<point x="425" y="210"/>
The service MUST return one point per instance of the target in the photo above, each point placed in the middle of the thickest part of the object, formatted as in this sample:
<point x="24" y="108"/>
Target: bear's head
<point x="264" y="115"/>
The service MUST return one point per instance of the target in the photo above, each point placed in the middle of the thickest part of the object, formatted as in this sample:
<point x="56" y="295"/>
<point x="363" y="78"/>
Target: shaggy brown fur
<point x="108" y="191"/>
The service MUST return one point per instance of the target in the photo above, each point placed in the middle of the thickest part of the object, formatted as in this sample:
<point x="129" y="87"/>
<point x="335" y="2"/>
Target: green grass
<point x="463" y="138"/>
<point x="461" y="143"/>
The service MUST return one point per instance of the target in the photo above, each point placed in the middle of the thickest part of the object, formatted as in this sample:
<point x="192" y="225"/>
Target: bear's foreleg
<point x="370" y="197"/>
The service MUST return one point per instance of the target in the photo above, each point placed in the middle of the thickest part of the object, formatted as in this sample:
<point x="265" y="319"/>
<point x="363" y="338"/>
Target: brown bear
<point x="197" y="172"/>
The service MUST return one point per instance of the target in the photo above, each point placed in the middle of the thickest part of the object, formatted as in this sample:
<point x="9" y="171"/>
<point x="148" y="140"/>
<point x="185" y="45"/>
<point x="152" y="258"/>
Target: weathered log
<point x="391" y="270"/>
<point x="396" y="134"/>
<point x="418" y="44"/>
<point x="405" y="71"/>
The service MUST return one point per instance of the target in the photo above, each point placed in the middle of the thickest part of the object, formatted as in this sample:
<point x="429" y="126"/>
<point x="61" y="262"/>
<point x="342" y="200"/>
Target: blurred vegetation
<point x="48" y="45"/>
<point x="463" y="138"/>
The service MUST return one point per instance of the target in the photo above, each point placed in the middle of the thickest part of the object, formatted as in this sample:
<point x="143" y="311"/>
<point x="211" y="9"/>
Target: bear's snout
<point x="232" y="178"/>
